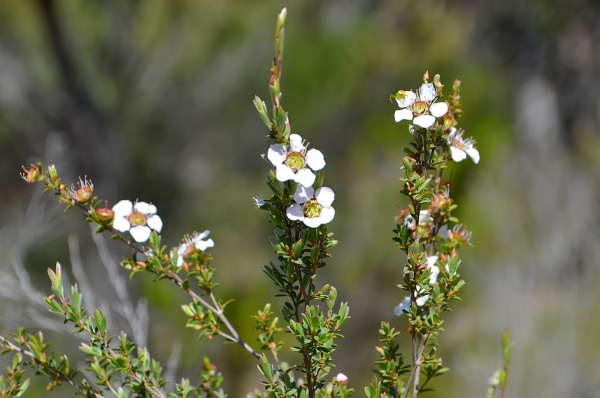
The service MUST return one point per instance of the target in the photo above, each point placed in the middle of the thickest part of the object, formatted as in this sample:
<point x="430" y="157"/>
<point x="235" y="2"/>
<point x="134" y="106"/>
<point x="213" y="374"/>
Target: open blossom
<point x="295" y="163"/>
<point x="421" y="107"/>
<point x="312" y="207"/>
<point x="139" y="219"/>
<point x="461" y="147"/>
<point x="195" y="242"/>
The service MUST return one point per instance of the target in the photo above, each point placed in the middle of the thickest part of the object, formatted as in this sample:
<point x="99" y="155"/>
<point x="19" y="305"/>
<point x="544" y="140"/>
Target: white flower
<point x="312" y="208"/>
<point x="295" y="163"/>
<point x="461" y="147"/>
<point x="420" y="108"/>
<point x="139" y="219"/>
<point x="403" y="306"/>
<point x="425" y="217"/>
<point x="192" y="243"/>
<point x="435" y="270"/>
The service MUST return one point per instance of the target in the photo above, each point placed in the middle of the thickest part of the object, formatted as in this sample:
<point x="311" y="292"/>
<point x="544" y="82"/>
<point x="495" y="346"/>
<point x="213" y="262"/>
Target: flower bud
<point x="426" y="76"/>
<point x="52" y="173"/>
<point x="341" y="379"/>
<point x="449" y="121"/>
<point x="104" y="214"/>
<point x="437" y="83"/>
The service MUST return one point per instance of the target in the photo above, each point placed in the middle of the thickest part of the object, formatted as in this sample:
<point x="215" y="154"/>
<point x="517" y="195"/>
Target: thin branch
<point x="55" y="373"/>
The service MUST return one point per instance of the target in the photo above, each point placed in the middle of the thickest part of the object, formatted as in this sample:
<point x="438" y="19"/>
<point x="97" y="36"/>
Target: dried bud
<point x="426" y="76"/>
<point x="34" y="174"/>
<point x="85" y="191"/>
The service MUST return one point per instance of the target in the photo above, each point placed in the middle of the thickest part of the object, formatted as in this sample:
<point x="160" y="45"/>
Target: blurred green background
<point x="152" y="100"/>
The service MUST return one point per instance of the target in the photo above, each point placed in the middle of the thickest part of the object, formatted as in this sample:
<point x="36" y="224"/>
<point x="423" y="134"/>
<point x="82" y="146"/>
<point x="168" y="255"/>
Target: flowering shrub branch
<point x="301" y="208"/>
<point x="428" y="233"/>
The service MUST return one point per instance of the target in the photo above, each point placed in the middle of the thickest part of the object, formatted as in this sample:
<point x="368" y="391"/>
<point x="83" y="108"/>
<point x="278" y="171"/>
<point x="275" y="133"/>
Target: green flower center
<point x="420" y="107"/>
<point x="312" y="208"/>
<point x="136" y="218"/>
<point x="295" y="160"/>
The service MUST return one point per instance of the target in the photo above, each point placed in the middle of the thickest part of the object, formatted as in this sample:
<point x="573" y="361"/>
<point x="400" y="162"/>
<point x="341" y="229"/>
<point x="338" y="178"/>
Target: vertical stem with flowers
<point x="300" y="208"/>
<point x="428" y="233"/>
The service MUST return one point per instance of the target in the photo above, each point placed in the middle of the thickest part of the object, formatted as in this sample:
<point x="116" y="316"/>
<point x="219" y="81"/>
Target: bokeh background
<point x="152" y="100"/>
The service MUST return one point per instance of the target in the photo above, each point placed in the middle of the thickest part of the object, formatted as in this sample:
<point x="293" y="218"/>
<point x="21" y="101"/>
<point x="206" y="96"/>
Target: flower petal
<point x="284" y="173"/>
<point x="403" y="306"/>
<point x="123" y="208"/>
<point x="403" y="114"/>
<point x="144" y="208"/>
<point x="294" y="212"/>
<point x="315" y="159"/>
<point x="140" y="233"/>
<point x="424" y="121"/>
<point x="204" y="244"/>
<point x="427" y="92"/>
<point x="453" y="133"/>
<point x="182" y="249"/>
<point x="154" y="222"/>
<point x="303" y="194"/>
<point x="444" y="232"/>
<point x="325" y="196"/>
<point x="121" y="224"/>
<point x="458" y="155"/>
<point x="473" y="153"/>
<point x="422" y="300"/>
<point x="431" y="260"/>
<point x="435" y="271"/>
<point x="314" y="222"/>
<point x="296" y="143"/>
<point x="327" y="214"/>
<point x="438" y="109"/>
<point x="277" y="154"/>
<point x="305" y="177"/>
<point x="202" y="235"/>
<point x="408" y="97"/>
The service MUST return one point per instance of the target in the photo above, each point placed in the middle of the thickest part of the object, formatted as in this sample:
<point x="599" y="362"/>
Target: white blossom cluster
<point x="422" y="109"/>
<point x="294" y="161"/>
